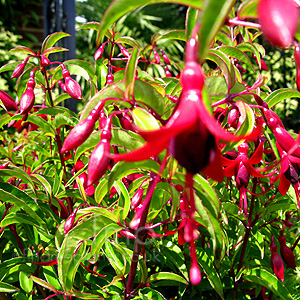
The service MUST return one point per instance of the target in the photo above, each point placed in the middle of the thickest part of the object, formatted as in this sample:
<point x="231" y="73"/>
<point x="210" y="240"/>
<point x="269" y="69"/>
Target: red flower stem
<point x="296" y="242"/>
<point x="238" y="22"/>
<point x="141" y="231"/>
<point x="246" y="238"/>
<point x="48" y="88"/>
<point x="18" y="240"/>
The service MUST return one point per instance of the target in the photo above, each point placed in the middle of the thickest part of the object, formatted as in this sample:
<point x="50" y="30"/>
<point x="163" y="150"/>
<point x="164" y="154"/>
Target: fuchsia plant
<point x="189" y="181"/>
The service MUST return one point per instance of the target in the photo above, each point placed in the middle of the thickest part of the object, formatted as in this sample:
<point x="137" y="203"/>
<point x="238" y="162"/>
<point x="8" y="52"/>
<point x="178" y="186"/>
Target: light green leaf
<point x="22" y="49"/>
<point x="210" y="271"/>
<point x="82" y="295"/>
<point x="166" y="276"/>
<point x="119" y="8"/>
<point x="43" y="283"/>
<point x="54" y="50"/>
<point x="225" y="65"/>
<point x="214" y="15"/>
<point x="25" y="282"/>
<point x="247" y="9"/>
<point x="172" y="35"/>
<point x="51" y="39"/>
<point x="101" y="238"/>
<point x="7" y="288"/>
<point x="124" y="199"/>
<point x="270" y="281"/>
<point x="144" y="120"/>
<point x="281" y="94"/>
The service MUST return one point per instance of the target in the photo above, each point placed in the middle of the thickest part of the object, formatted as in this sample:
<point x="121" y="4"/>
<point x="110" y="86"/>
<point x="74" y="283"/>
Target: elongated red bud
<point x="279" y="21"/>
<point x="286" y="252"/>
<point x="125" y="121"/>
<point x="99" y="52"/>
<point x="19" y="69"/>
<point x="99" y="159"/>
<point x="168" y="73"/>
<point x="276" y="260"/>
<point x="28" y="98"/>
<point x="4" y="166"/>
<point x="137" y="197"/>
<point x="70" y="222"/>
<point x="62" y="85"/>
<point x="63" y="210"/>
<point x="45" y="61"/>
<point x="298" y="79"/>
<point x="8" y="101"/>
<point x="172" y="98"/>
<point x="82" y="130"/>
<point x="124" y="51"/>
<point x="110" y="79"/>
<point x="72" y="87"/>
<point x="165" y="57"/>
<point x="156" y="56"/>
<point x="233" y="117"/>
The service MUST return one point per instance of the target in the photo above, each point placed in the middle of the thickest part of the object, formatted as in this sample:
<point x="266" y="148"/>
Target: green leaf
<point x="144" y="120"/>
<point x="150" y="294"/>
<point x="82" y="295"/>
<point x="43" y="283"/>
<point x="54" y="50"/>
<point x="281" y="94"/>
<point x="73" y="247"/>
<point x="214" y="228"/>
<point x="214" y="15"/>
<point x="114" y="259"/>
<point x="43" y="124"/>
<point x="172" y="35"/>
<point x="210" y="271"/>
<point x="15" y="217"/>
<point x="51" y="39"/>
<point x="61" y="119"/>
<point x="143" y="92"/>
<point x="225" y="65"/>
<point x="247" y="9"/>
<point x="11" y="194"/>
<point x="121" y="169"/>
<point x="124" y="199"/>
<point x="119" y="8"/>
<point x="25" y="282"/>
<point x="101" y="238"/>
<point x="131" y="70"/>
<point x="22" y="49"/>
<point x="238" y="54"/>
<point x="7" y="288"/>
<point x="249" y="47"/>
<point x="90" y="25"/>
<point x="270" y="281"/>
<point x="166" y="276"/>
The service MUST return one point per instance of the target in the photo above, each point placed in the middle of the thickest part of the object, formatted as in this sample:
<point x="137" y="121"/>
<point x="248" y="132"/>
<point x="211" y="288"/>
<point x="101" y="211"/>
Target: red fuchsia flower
<point x="165" y="57"/>
<point x="8" y="101"/>
<point x="156" y="56"/>
<point x="100" y="158"/>
<point x="124" y="51"/>
<point x="286" y="252"/>
<point x="19" y="69"/>
<point x="82" y="130"/>
<point x="191" y="131"/>
<point x="28" y="98"/>
<point x="99" y="52"/>
<point x="242" y="167"/>
<point x="289" y="173"/>
<point x="276" y="260"/>
<point x="279" y="21"/>
<point x="45" y="61"/>
<point x="72" y="87"/>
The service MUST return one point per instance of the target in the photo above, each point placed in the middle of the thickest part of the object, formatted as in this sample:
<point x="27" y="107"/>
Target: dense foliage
<point x="177" y="180"/>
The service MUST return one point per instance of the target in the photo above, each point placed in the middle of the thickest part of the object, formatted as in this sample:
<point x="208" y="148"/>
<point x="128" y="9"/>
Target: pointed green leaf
<point x="247" y="9"/>
<point x="119" y="8"/>
<point x="281" y="94"/>
<point x="270" y="281"/>
<point x="43" y="283"/>
<point x="172" y="35"/>
<point x="51" y="39"/>
<point x="214" y="15"/>
<point x="7" y="288"/>
<point x="144" y="120"/>
<point x="131" y="69"/>
<point x="166" y="276"/>
<point x="22" y="49"/>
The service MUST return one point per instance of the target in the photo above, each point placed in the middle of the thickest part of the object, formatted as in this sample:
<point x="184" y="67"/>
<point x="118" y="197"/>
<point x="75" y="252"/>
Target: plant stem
<point x="141" y="231"/>
<point x="246" y="238"/>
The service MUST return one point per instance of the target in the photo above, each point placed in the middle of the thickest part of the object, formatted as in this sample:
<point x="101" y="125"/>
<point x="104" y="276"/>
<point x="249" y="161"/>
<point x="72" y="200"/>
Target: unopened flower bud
<point x="70" y="222"/>
<point x="8" y="101"/>
<point x="276" y="260"/>
<point x="156" y="57"/>
<point x="19" y="69"/>
<point x="286" y="252"/>
<point x="124" y="51"/>
<point x="45" y="61"/>
<point x="110" y="79"/>
<point x="28" y="98"/>
<point x="99" y="52"/>
<point x="168" y="73"/>
<point x="165" y="57"/>
<point x="137" y="197"/>
<point x="72" y="87"/>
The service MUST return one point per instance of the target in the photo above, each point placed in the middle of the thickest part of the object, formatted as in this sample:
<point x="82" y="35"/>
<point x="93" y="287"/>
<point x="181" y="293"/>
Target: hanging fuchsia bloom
<point x="279" y="21"/>
<point x="28" y="98"/>
<point x="72" y="87"/>
<point x="191" y="131"/>
<point x="242" y="168"/>
<point x="276" y="260"/>
<point x="289" y="173"/>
